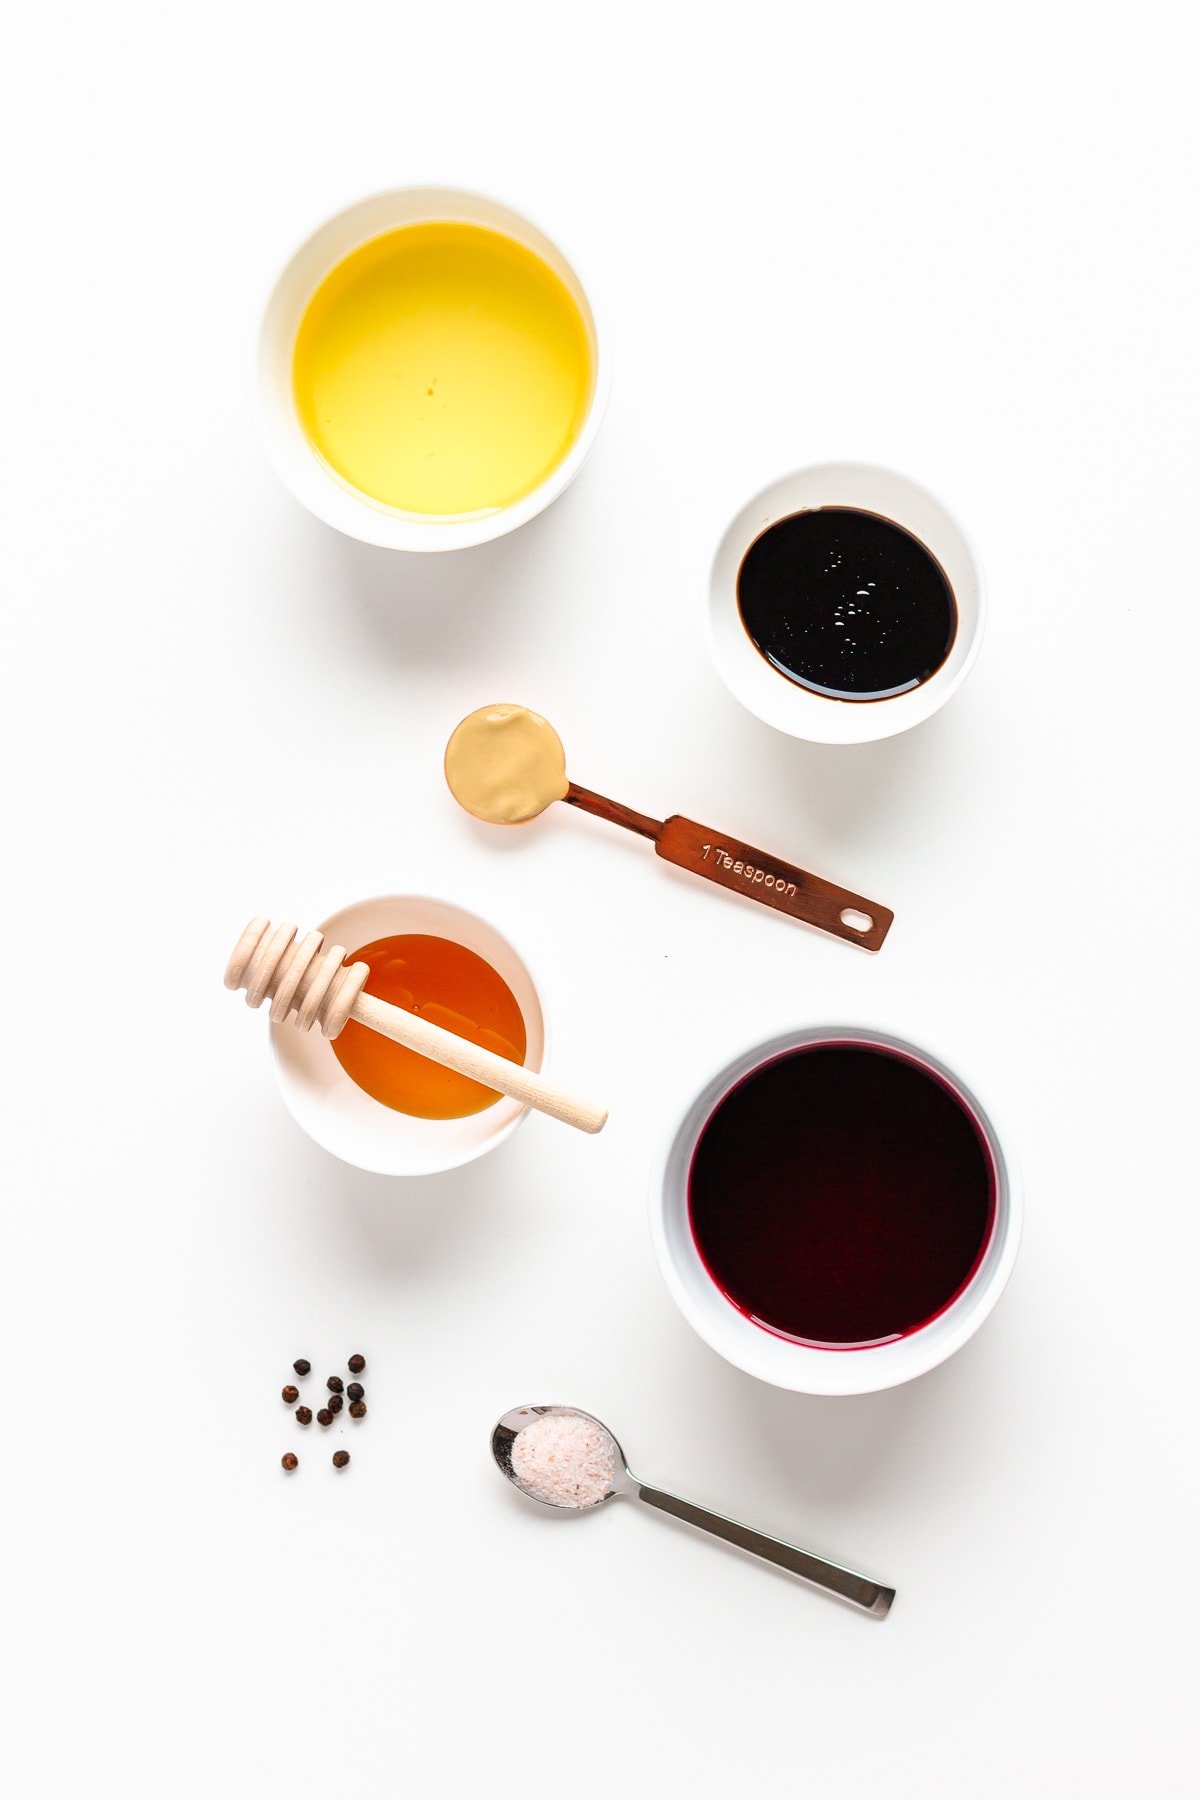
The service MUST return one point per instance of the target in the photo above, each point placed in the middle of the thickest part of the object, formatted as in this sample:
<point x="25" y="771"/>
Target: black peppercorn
<point x="324" y="1417"/>
<point x="335" y="1384"/>
<point x="290" y="1462"/>
<point x="304" y="1414"/>
<point x="358" y="1409"/>
<point x="355" y="1391"/>
<point x="335" y="1403"/>
<point x="340" y="1458"/>
<point x="291" y="1394"/>
<point x="357" y="1364"/>
<point x="302" y="1367"/>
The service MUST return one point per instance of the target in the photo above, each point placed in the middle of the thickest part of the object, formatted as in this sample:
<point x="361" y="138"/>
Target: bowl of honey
<point x="382" y="1107"/>
<point x="430" y="372"/>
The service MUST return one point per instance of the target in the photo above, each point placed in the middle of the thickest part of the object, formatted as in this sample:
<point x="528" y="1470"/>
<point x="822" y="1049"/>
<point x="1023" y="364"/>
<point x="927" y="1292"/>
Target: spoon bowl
<point x="858" y="1590"/>
<point x="514" y="1422"/>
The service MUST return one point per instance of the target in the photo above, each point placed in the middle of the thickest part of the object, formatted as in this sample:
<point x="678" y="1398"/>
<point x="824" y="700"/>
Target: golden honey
<point x="450" y="986"/>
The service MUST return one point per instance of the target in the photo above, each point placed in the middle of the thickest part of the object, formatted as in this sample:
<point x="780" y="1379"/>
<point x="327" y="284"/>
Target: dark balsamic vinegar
<point x="847" y="604"/>
<point x="841" y="1195"/>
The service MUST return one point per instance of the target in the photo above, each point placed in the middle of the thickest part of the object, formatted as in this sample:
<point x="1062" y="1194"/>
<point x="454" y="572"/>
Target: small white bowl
<point x="783" y="703"/>
<point x="297" y="464"/>
<point x="804" y="1368"/>
<point x="344" y="1119"/>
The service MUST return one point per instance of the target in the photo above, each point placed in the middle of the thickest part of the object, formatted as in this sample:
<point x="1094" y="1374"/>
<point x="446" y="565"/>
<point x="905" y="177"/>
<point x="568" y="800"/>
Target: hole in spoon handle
<point x="774" y="883"/>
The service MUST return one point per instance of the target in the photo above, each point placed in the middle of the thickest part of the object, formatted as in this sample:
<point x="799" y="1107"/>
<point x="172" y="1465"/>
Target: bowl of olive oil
<point x="430" y="371"/>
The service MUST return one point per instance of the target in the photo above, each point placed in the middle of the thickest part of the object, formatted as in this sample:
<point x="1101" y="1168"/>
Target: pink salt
<point x="565" y="1459"/>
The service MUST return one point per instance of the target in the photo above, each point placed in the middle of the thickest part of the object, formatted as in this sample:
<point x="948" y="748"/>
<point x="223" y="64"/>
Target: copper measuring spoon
<point x="505" y="765"/>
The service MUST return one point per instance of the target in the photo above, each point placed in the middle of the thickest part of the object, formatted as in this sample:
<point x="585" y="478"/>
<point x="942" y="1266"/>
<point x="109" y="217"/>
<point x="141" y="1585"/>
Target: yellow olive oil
<point x="443" y="369"/>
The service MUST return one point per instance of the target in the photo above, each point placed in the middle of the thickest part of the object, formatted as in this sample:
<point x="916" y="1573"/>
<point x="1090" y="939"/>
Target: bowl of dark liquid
<point x="845" y="604"/>
<point x="836" y="1211"/>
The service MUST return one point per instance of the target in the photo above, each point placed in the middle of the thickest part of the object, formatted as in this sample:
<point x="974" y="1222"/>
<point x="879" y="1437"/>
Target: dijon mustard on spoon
<point x="505" y="765"/>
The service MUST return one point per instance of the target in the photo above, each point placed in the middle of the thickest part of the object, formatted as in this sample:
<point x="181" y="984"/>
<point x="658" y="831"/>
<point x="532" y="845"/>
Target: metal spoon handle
<point x="870" y="1595"/>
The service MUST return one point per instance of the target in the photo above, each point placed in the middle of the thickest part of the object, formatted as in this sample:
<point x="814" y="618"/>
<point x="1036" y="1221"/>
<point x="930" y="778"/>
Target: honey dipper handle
<point x="775" y="883"/>
<point x="510" y="1078"/>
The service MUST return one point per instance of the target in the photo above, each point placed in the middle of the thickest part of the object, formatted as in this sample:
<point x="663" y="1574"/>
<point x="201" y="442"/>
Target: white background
<point x="959" y="241"/>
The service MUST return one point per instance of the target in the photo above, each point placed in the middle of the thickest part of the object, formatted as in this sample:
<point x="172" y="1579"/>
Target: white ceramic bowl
<point x="783" y="703"/>
<point x="803" y="1368"/>
<point x="342" y="1118"/>
<point x="297" y="463"/>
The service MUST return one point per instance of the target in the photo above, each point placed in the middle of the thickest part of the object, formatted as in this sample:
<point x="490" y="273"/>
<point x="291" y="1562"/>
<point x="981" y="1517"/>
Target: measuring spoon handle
<point x="732" y="864"/>
<point x="857" y="1589"/>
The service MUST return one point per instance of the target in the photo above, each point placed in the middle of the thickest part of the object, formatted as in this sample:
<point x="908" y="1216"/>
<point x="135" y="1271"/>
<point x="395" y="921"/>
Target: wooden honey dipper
<point x="302" y="976"/>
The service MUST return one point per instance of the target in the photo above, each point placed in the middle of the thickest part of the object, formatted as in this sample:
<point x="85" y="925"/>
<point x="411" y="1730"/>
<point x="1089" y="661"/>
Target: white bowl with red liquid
<point x="759" y="1350"/>
<point x="341" y="1116"/>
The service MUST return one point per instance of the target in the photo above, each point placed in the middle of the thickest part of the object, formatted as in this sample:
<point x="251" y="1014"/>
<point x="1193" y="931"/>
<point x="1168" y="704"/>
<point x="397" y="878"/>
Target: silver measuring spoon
<point x="857" y="1589"/>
